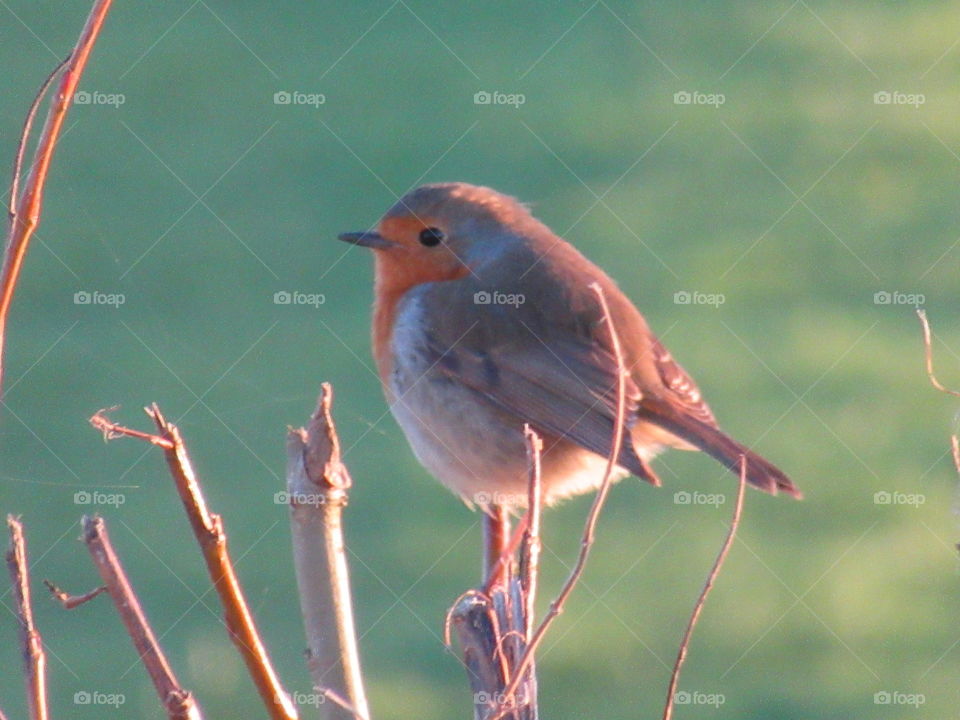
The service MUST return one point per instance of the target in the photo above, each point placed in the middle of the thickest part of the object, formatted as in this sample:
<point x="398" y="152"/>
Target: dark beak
<point x="370" y="239"/>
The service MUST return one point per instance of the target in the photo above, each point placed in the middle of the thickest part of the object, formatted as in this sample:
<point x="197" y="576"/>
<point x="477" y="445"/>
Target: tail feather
<point x="760" y="472"/>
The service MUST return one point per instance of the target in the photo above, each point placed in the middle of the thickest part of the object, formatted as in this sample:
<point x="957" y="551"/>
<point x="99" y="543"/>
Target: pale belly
<point x="466" y="442"/>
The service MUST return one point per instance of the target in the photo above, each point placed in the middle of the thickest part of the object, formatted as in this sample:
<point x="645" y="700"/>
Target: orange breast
<point x="394" y="277"/>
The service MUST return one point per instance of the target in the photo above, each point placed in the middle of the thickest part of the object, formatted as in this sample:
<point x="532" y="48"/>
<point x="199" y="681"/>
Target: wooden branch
<point x="318" y="484"/>
<point x="26" y="211"/>
<point x="586" y="542"/>
<point x="208" y="530"/>
<point x="178" y="703"/>
<point x="491" y="630"/>
<point x="698" y="607"/>
<point x="31" y="644"/>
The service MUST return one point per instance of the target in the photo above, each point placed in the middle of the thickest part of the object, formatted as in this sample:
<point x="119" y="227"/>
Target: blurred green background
<point x="796" y="192"/>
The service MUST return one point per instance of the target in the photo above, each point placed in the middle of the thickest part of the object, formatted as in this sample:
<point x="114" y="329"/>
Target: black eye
<point x="431" y="236"/>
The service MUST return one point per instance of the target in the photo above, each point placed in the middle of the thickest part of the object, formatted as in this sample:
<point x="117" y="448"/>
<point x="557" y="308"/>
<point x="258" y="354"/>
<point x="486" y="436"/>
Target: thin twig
<point x="331" y="695"/>
<point x="586" y="542"/>
<point x="928" y="353"/>
<point x="698" y="607"/>
<point x="530" y="550"/>
<point x="208" y="530"/>
<point x="317" y="492"/>
<point x="178" y="702"/>
<point x="68" y="601"/>
<point x="112" y="430"/>
<point x="31" y="644"/>
<point x="25" y="137"/>
<point x="955" y="449"/>
<point x="26" y="215"/>
<point x="473" y="594"/>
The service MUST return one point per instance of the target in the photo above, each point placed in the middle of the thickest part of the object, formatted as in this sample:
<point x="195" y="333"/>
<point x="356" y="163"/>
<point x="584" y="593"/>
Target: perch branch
<point x="208" y="529"/>
<point x="178" y="702"/>
<point x="318" y="485"/>
<point x="589" y="531"/>
<point x="25" y="211"/>
<point x="31" y="644"/>
<point x="698" y="607"/>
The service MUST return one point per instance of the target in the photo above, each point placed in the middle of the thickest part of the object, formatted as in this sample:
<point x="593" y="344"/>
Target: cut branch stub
<point x="317" y="491"/>
<point x="492" y="635"/>
<point x="322" y="455"/>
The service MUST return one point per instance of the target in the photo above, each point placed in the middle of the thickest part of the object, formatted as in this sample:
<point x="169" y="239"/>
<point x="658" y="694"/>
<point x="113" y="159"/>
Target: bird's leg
<point x="496" y="548"/>
<point x="498" y="572"/>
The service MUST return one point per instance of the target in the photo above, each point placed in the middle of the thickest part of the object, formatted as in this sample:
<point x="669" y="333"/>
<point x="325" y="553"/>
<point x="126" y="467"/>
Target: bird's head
<point x="438" y="232"/>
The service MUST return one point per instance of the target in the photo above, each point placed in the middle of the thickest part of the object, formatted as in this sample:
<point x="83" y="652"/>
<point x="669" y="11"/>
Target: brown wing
<point x="567" y="391"/>
<point x="681" y="385"/>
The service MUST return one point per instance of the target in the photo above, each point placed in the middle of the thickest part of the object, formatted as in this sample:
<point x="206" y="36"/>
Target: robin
<point x="484" y="320"/>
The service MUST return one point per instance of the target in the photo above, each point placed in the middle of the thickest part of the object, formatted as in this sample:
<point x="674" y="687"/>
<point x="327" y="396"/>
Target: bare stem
<point x="698" y="607"/>
<point x="928" y="353"/>
<point x="317" y="489"/>
<point x="31" y="644"/>
<point x="530" y="550"/>
<point x="208" y="530"/>
<point x="589" y="531"/>
<point x="178" y="703"/>
<point x="26" y="215"/>
<point x="25" y="137"/>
